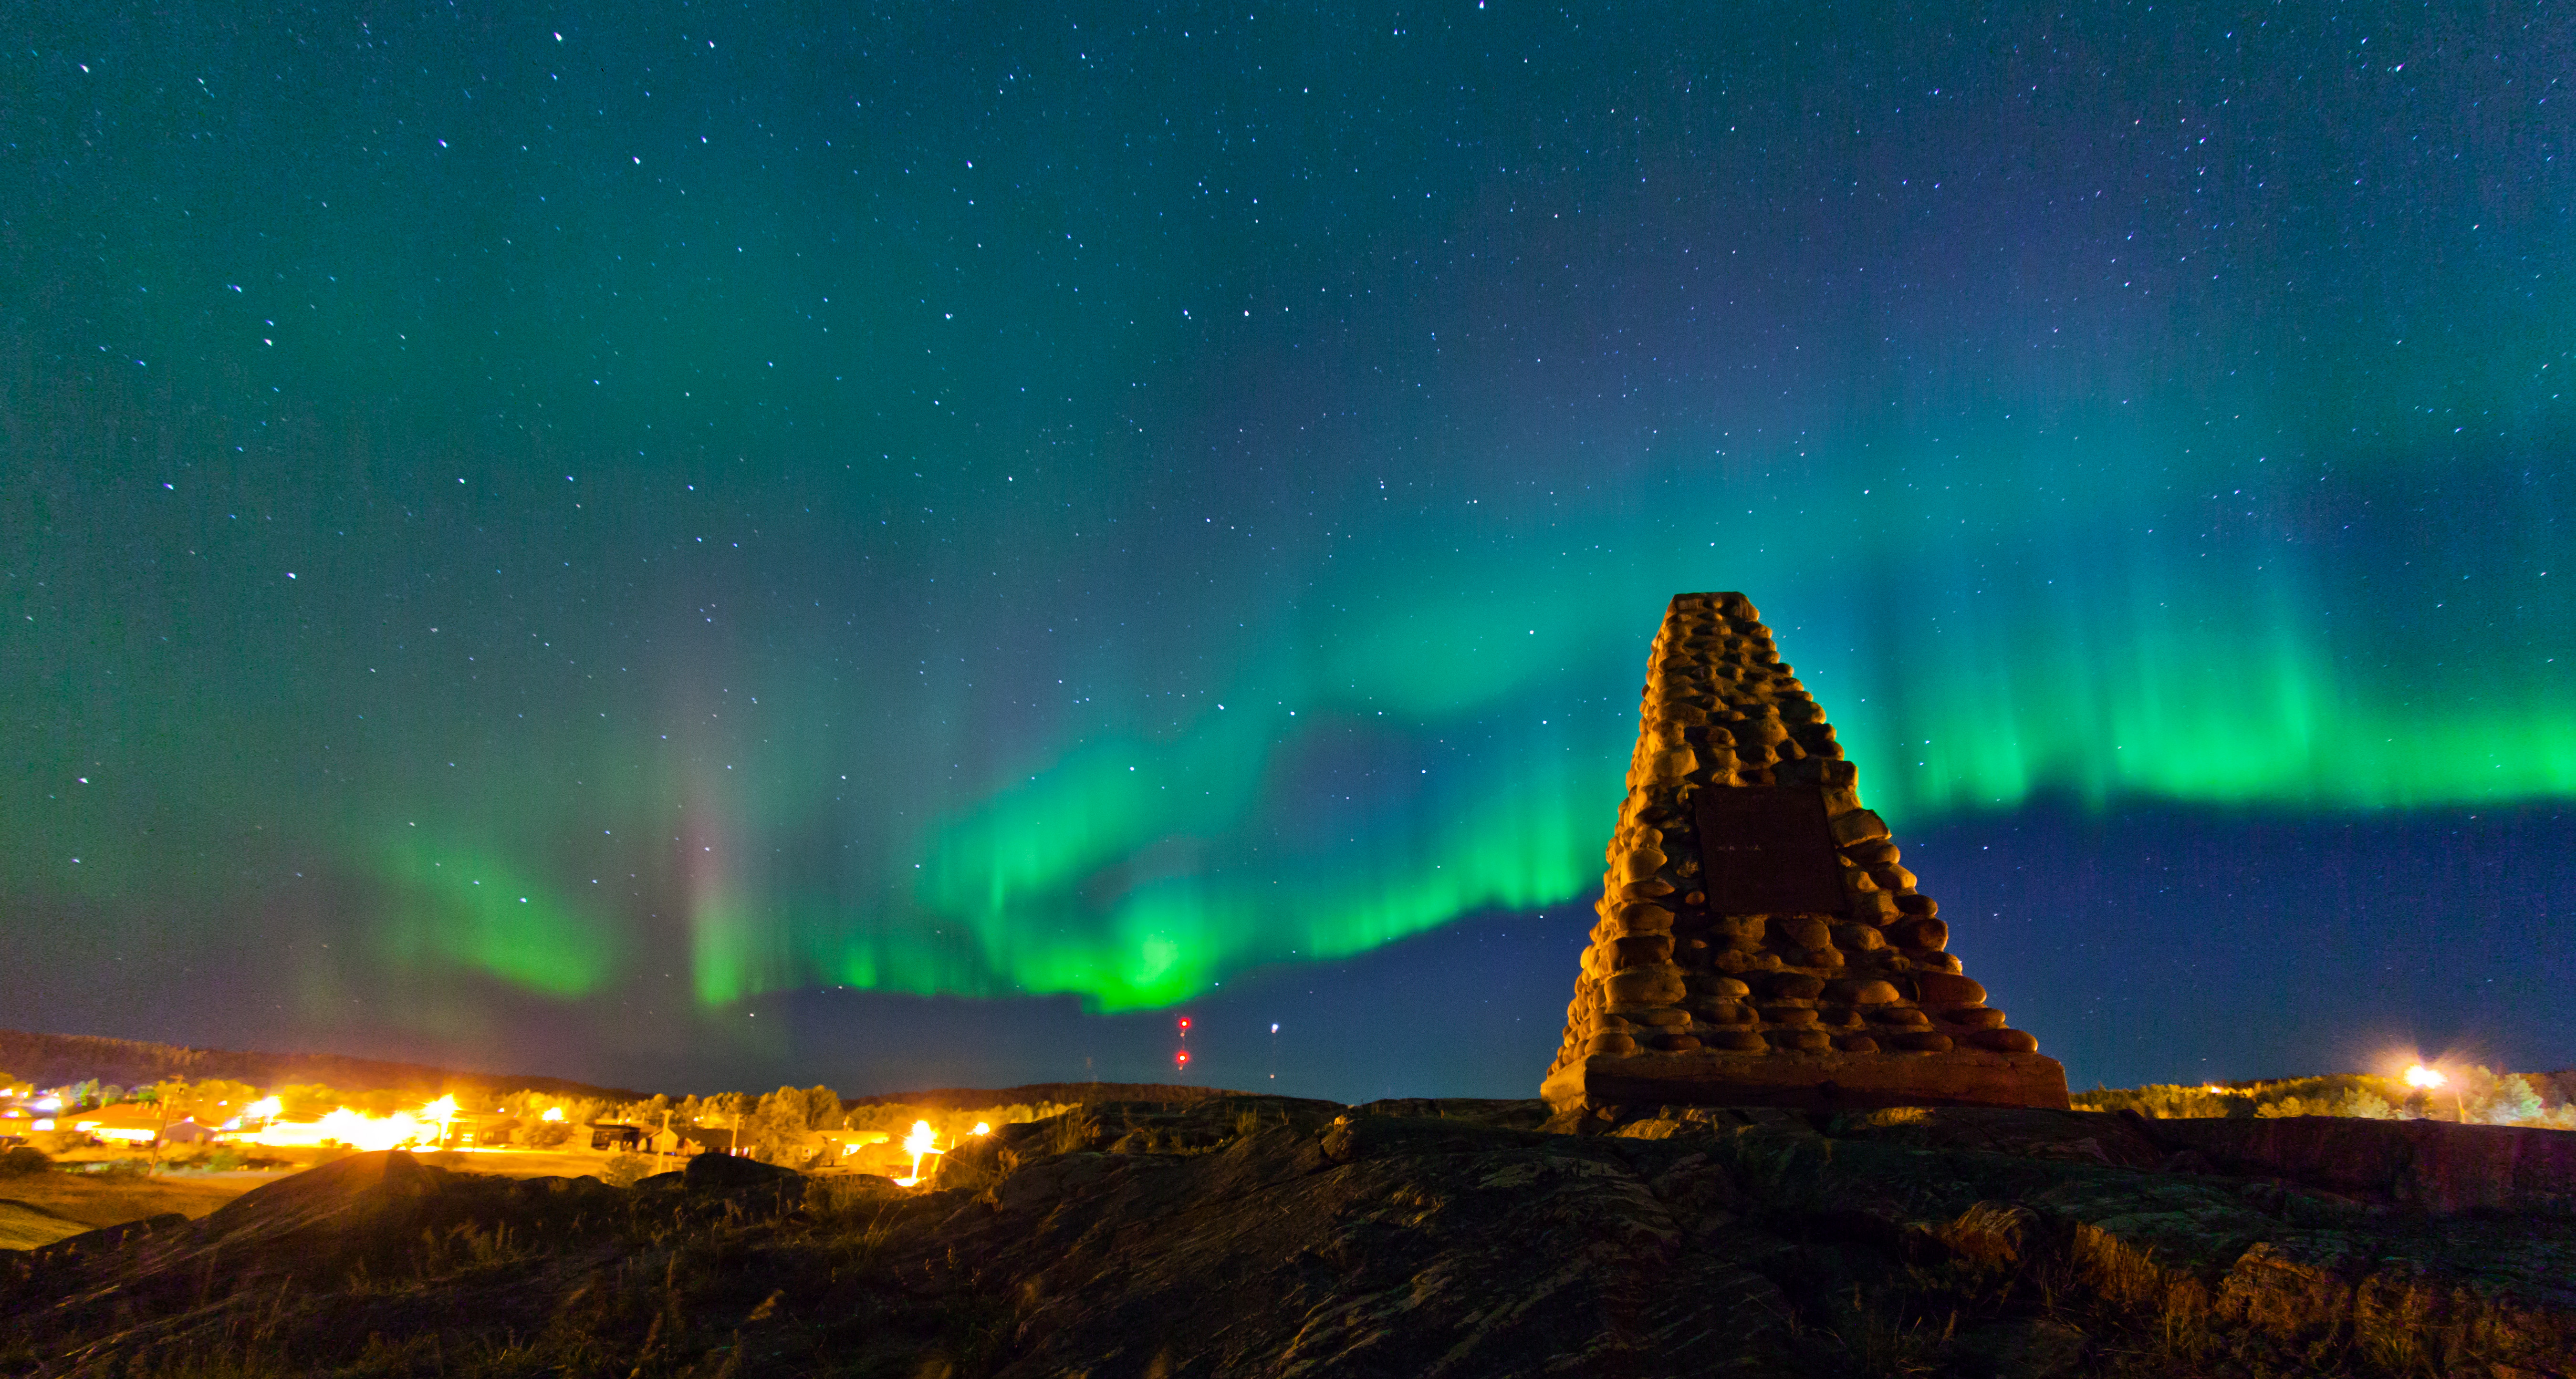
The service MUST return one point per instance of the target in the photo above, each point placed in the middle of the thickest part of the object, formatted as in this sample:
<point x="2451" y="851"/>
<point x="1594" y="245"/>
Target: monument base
<point x="1810" y="1082"/>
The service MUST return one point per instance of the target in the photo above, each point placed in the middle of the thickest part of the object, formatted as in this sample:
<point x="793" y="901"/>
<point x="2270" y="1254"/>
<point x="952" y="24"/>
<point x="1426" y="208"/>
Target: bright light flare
<point x="553" y="1115"/>
<point x="922" y="1142"/>
<point x="358" y="1130"/>
<point x="981" y="1128"/>
<point x="352" y="1128"/>
<point x="264" y="1109"/>
<point x="121" y="1134"/>
<point x="2420" y="1076"/>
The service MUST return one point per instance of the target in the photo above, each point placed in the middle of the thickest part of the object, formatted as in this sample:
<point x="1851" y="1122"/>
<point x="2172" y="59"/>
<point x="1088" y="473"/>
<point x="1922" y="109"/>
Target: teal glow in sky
<point x="587" y="523"/>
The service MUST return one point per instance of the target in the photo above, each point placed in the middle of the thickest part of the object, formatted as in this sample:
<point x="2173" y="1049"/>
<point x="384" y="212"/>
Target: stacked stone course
<point x="1860" y="1004"/>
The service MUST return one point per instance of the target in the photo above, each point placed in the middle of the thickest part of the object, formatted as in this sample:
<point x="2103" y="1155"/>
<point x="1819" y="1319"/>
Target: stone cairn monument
<point x="1759" y="943"/>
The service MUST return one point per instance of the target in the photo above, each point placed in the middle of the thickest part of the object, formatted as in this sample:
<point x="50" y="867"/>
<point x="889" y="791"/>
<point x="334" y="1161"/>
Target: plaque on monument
<point x="1767" y="849"/>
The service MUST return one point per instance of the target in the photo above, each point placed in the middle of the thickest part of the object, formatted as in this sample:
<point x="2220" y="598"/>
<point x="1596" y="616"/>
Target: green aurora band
<point x="1135" y="869"/>
<point x="1436" y="729"/>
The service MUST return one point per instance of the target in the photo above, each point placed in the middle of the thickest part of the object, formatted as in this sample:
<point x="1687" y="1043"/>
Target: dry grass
<point x="1074" y="1130"/>
<point x="112" y="1199"/>
<point x="1989" y="1235"/>
<point x="23" y="1227"/>
<point x="2000" y="1266"/>
<point x="1894" y="1344"/>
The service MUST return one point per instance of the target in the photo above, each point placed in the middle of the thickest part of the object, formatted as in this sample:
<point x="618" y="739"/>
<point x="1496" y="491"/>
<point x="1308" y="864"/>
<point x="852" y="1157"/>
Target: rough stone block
<point x="1947" y="989"/>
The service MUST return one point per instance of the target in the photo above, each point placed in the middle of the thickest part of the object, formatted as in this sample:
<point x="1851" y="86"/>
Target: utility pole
<point x="162" y="1095"/>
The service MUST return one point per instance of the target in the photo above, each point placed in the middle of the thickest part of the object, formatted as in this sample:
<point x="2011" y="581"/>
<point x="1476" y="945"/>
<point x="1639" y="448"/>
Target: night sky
<point x="700" y="546"/>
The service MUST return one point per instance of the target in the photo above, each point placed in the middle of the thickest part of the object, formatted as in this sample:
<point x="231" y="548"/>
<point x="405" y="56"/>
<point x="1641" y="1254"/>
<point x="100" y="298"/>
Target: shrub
<point x="21" y="1160"/>
<point x="846" y="1197"/>
<point x="306" y="1100"/>
<point x="1074" y="1130"/>
<point x="547" y="1134"/>
<point x="626" y="1170"/>
<point x="1990" y="1235"/>
<point x="2512" y="1102"/>
<point x="2368" y="1106"/>
<point x="2158" y="1101"/>
<point x="974" y="1167"/>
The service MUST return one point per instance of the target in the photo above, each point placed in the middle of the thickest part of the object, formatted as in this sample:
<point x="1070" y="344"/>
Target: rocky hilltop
<point x="1263" y="1236"/>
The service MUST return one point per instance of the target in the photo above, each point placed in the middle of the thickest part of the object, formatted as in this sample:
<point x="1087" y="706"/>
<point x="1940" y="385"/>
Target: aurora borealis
<point x="901" y="545"/>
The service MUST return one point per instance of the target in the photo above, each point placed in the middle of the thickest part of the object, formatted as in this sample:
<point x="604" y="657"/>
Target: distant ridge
<point x="1065" y="1093"/>
<point x="53" y="1060"/>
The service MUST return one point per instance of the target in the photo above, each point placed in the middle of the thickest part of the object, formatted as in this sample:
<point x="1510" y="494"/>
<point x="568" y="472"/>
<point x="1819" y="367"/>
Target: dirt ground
<point x="535" y="1163"/>
<point x="41" y="1208"/>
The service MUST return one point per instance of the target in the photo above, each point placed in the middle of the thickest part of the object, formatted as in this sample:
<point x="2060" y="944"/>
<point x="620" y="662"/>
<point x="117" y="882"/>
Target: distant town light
<point x="922" y="1142"/>
<point x="2430" y="1078"/>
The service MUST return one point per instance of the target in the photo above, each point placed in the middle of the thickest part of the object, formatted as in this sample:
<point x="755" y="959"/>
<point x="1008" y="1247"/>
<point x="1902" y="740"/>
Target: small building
<point x="187" y="1131"/>
<point x="681" y="1141"/>
<point x="480" y="1129"/>
<point x="126" y="1122"/>
<point x="678" y="1141"/>
<point x="840" y="1145"/>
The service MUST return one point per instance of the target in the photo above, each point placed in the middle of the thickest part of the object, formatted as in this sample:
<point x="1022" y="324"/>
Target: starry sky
<point x="704" y="545"/>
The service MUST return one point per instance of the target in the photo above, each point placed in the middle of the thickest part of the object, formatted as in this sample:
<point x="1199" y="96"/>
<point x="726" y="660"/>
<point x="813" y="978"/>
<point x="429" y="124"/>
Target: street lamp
<point x="2429" y="1078"/>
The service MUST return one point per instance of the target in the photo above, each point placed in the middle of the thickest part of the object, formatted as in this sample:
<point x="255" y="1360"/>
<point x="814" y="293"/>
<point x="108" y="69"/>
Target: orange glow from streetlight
<point x="356" y="1129"/>
<point x="2417" y="1075"/>
<point x="923" y="1141"/>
